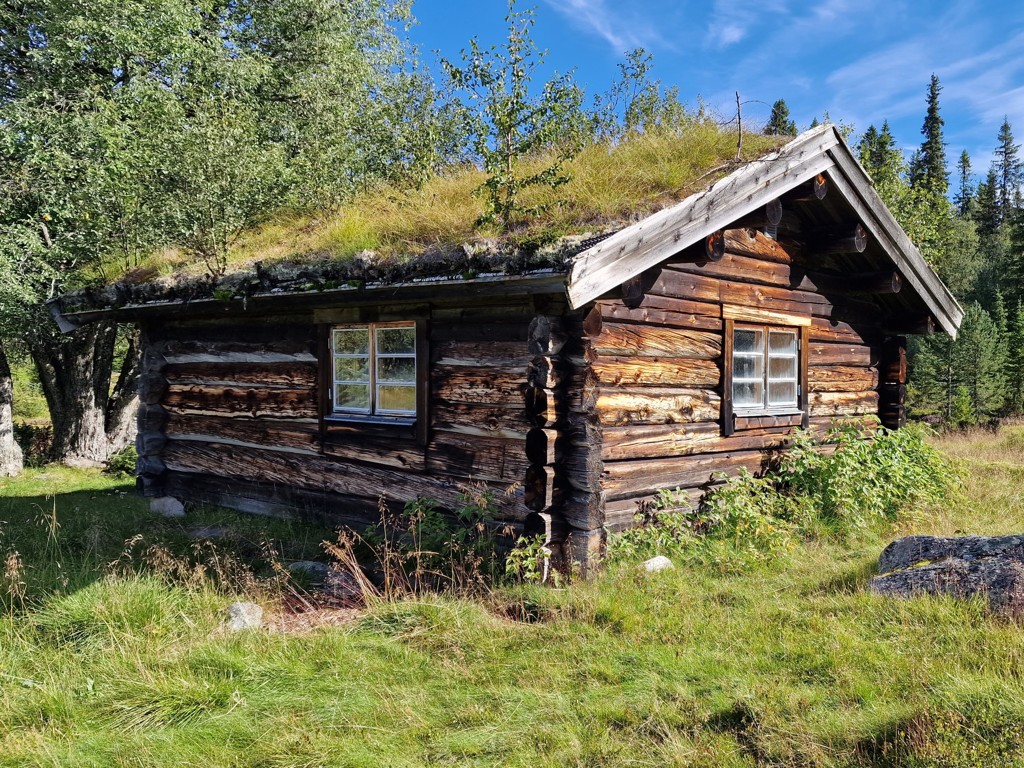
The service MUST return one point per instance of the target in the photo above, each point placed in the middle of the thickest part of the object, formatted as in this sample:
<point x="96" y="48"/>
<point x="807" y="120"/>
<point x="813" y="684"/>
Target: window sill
<point x="343" y="419"/>
<point x="768" y="419"/>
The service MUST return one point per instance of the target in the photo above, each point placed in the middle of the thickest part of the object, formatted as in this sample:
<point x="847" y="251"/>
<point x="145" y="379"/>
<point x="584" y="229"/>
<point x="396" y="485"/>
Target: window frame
<point x="735" y="417"/>
<point x="372" y="415"/>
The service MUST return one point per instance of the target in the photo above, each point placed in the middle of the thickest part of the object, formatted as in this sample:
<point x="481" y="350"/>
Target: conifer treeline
<point x="976" y="243"/>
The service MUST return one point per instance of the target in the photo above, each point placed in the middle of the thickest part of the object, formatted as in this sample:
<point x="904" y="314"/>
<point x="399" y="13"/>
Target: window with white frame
<point x="374" y="370"/>
<point x="765" y="369"/>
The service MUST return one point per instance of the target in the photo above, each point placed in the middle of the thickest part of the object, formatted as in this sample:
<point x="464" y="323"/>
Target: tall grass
<point x="790" y="662"/>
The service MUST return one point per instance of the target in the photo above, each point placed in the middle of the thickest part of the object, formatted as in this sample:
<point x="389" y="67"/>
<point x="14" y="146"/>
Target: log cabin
<point x="687" y="344"/>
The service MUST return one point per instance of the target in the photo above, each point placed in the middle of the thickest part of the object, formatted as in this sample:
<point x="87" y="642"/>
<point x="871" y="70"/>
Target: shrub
<point x="36" y="442"/>
<point x="863" y="481"/>
<point x="123" y="462"/>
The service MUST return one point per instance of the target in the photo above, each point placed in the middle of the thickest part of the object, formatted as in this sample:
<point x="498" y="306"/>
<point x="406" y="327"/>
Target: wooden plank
<point x="657" y="237"/>
<point x="238" y="401"/>
<point x="181" y="352"/>
<point x="663" y="310"/>
<point x="507" y="355"/>
<point x="623" y="479"/>
<point x="823" y="353"/>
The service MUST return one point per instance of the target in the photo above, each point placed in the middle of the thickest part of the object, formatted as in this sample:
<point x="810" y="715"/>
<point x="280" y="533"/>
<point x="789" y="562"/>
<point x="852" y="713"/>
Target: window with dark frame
<point x="374" y="370"/>
<point x="764" y="369"/>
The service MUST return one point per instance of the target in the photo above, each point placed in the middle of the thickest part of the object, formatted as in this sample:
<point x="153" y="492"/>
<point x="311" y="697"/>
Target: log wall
<point x="231" y="416"/>
<point x="656" y="359"/>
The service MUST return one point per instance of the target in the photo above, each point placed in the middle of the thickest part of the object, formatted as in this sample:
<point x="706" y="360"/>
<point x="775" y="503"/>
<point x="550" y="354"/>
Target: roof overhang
<point x="629" y="252"/>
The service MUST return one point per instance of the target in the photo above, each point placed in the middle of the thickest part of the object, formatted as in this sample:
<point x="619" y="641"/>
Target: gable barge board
<point x="656" y="238"/>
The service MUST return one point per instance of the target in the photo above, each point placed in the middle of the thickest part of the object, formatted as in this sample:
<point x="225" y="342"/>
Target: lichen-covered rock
<point x="243" y="615"/>
<point x="912" y="550"/>
<point x="658" y="563"/>
<point x="987" y="567"/>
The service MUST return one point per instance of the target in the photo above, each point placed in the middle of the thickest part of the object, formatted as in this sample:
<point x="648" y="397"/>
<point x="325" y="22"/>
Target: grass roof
<point x="389" y="233"/>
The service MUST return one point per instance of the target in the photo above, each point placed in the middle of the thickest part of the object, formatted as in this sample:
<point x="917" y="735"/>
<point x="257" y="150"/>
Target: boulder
<point x="242" y="615"/>
<point x="912" y="550"/>
<point x="987" y="567"/>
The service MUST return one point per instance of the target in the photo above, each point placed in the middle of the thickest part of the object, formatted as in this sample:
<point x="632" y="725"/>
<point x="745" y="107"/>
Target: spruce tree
<point x="986" y="211"/>
<point x="929" y="167"/>
<point x="1009" y="170"/>
<point x="965" y="190"/>
<point x="780" y="123"/>
<point x="978" y="360"/>
<point x="1015" y="360"/>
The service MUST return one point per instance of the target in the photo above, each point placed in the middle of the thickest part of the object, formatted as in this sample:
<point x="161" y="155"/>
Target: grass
<point x="609" y="185"/>
<point x="789" y="663"/>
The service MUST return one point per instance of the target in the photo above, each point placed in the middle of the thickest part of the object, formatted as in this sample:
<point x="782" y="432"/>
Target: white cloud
<point x="732" y="20"/>
<point x="594" y="16"/>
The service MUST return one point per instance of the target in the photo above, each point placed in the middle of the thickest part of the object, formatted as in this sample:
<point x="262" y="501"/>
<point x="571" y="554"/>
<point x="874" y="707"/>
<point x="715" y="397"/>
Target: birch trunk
<point x="11" y="459"/>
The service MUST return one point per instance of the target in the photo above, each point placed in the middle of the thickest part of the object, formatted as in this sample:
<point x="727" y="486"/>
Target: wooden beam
<point x="855" y="242"/>
<point x="813" y="192"/>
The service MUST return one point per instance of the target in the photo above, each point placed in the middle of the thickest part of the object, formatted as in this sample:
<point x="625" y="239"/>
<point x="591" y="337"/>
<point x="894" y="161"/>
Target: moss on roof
<point x="391" y="234"/>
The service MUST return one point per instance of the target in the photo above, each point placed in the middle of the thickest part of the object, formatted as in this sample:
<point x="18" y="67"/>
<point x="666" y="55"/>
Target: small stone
<point x="168" y="506"/>
<point x="659" y="563"/>
<point x="244" y="616"/>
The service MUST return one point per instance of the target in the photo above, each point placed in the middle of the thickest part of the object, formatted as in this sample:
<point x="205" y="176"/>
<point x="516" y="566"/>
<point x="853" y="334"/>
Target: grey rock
<point x="911" y="550"/>
<point x="242" y="615"/>
<point x="316" y="570"/>
<point x="998" y="580"/>
<point x="168" y="506"/>
<point x="659" y="563"/>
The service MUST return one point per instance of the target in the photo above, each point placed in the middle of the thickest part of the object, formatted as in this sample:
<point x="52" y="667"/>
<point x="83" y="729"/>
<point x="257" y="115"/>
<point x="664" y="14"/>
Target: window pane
<point x="782" y="341"/>
<point x="782" y="393"/>
<point x="746" y="367"/>
<point x="352" y="397"/>
<point x="352" y="341"/>
<point x="746" y="394"/>
<point x="396" y="368"/>
<point x="746" y="340"/>
<point x="391" y="398"/>
<point x="396" y="340"/>
<point x="352" y="369"/>
<point x="782" y="368"/>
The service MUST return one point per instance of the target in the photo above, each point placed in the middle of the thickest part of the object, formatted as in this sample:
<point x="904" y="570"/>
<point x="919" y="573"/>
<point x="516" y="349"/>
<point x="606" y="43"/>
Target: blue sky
<point x="862" y="61"/>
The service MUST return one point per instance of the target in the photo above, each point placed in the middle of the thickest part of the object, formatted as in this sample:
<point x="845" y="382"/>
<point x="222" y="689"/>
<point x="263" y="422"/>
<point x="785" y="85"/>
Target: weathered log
<point x="150" y="443"/>
<point x="892" y="416"/>
<point x="545" y="372"/>
<point x="841" y="378"/>
<point x="270" y="432"/>
<point x="582" y="509"/>
<point x="552" y="527"/>
<point x="843" y="403"/>
<point x="855" y="242"/>
<point x="753" y="242"/>
<point x="893" y="365"/>
<point x="290" y="375"/>
<point x="812" y="192"/>
<point x="826" y="329"/>
<point x="623" y="406"/>
<point x="714" y="246"/>
<point x="483" y="386"/>
<point x="150" y="466"/>
<point x="192" y="351"/>
<point x="543" y="446"/>
<point x="539" y="487"/>
<point x="503" y="355"/>
<point x="547" y="335"/>
<point x="360" y="480"/>
<point x="656" y="371"/>
<point x="489" y="421"/>
<point x="653" y="341"/>
<point x="871" y="283"/>
<point x="476" y="457"/>
<point x="657" y="310"/>
<point x="623" y="479"/>
<point x="892" y="393"/>
<point x="213" y="400"/>
<point x="632" y="291"/>
<point x="824" y="353"/>
<point x="582" y="470"/>
<point x="514" y="330"/>
<point x="152" y="387"/>
<point x="540" y="406"/>
<point x="151" y="417"/>
<point x="584" y="548"/>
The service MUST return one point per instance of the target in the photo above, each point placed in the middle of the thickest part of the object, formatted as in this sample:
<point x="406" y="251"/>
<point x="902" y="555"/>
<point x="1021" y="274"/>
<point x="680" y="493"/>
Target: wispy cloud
<point x="621" y="32"/>
<point x="732" y="20"/>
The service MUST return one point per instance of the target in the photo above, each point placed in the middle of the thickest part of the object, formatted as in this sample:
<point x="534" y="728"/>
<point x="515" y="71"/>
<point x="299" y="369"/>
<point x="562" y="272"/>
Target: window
<point x="374" y="370"/>
<point x="765" y="369"/>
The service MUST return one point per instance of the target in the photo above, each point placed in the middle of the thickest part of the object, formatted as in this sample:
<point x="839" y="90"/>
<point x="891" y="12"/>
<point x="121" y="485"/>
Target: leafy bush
<point x="861" y="481"/>
<point x="123" y="462"/>
<point x="36" y="442"/>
